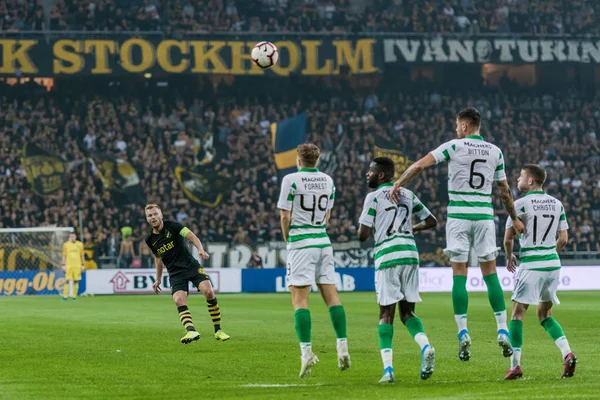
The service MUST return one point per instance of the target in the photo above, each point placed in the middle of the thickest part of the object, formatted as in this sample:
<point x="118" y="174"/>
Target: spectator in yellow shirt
<point x="73" y="264"/>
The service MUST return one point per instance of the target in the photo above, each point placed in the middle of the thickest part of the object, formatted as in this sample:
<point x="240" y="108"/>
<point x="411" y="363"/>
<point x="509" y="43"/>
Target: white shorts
<point x="396" y="284"/>
<point x="308" y="266"/>
<point x="464" y="234"/>
<point x="535" y="287"/>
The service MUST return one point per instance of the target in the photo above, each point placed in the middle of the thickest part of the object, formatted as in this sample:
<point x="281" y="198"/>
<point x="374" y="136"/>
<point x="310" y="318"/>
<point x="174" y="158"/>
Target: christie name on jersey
<point x="544" y="205"/>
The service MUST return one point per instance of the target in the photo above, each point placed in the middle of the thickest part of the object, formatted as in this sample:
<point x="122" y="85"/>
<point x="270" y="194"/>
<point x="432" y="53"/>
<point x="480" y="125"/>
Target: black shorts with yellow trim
<point x="180" y="281"/>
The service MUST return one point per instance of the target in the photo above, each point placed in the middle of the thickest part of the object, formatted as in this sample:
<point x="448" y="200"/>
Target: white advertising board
<point x="139" y="281"/>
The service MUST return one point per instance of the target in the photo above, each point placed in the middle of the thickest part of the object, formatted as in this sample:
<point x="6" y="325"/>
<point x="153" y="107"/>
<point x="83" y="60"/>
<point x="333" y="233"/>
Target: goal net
<point x="31" y="249"/>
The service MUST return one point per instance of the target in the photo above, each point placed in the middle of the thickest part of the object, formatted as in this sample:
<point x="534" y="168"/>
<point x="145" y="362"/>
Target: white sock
<point x="342" y="345"/>
<point x="563" y="345"/>
<point x="515" y="359"/>
<point x="461" y="321"/>
<point x="386" y="356"/>
<point x="305" y="348"/>
<point x="421" y="340"/>
<point x="501" y="320"/>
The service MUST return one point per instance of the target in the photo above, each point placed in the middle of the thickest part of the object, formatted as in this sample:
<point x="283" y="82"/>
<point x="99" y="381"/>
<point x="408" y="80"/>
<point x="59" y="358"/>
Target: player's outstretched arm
<point x="509" y="206"/>
<point x="190" y="236"/>
<point x="286" y="218"/>
<point x="410" y="174"/>
<point x="511" y="261"/>
<point x="428" y="223"/>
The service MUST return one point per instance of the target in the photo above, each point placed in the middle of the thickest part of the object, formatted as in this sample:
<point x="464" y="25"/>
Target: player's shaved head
<point x="471" y="116"/>
<point x="309" y="154"/>
<point x="536" y="172"/>
<point x="385" y="165"/>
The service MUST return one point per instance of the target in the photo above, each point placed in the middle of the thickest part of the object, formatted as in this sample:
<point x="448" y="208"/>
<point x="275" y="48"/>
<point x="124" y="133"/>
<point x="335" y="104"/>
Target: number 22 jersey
<point x="473" y="166"/>
<point x="393" y="230"/>
<point x="309" y="195"/>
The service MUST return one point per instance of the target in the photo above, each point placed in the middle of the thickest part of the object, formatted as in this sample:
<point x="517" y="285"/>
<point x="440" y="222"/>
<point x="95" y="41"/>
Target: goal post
<point x="32" y="249"/>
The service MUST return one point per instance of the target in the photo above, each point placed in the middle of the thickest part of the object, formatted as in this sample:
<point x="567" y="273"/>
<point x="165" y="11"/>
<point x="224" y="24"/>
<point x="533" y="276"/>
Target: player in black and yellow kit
<point x="166" y="240"/>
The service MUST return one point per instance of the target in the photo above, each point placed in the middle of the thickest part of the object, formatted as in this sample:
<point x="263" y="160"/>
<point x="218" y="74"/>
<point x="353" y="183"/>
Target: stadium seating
<point x="455" y="16"/>
<point x="157" y="135"/>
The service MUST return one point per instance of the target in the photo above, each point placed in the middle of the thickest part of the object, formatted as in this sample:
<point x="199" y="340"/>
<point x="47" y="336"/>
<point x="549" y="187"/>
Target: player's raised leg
<point x="457" y="249"/>
<point x="544" y="313"/>
<point x="303" y="326"/>
<point x="185" y="316"/>
<point x="496" y="299"/>
<point x="416" y="330"/>
<point x="385" y="331"/>
<point x="460" y="303"/>
<point x="213" y="308"/>
<point x="338" y="319"/>
<point x="516" y="340"/>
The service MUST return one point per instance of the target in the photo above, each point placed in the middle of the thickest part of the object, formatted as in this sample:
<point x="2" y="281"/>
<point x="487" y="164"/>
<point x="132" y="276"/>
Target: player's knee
<point x="459" y="268"/>
<point x="406" y="315"/>
<point x="518" y="311"/>
<point x="180" y="302"/>
<point x="543" y="312"/>
<point x="386" y="315"/>
<point x="209" y="294"/>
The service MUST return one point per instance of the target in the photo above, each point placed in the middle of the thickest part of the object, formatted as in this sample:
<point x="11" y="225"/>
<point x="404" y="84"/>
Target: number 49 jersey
<point x="309" y="195"/>
<point x="394" y="241"/>
<point x="543" y="216"/>
<point x="473" y="166"/>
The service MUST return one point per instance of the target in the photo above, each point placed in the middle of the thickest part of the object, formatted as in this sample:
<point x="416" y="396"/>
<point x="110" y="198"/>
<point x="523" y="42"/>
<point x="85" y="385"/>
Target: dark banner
<point x="495" y="50"/>
<point x="385" y="148"/>
<point x="330" y="159"/>
<point x="20" y="258"/>
<point x="207" y="55"/>
<point x="120" y="178"/>
<point x="206" y="183"/>
<point x="45" y="171"/>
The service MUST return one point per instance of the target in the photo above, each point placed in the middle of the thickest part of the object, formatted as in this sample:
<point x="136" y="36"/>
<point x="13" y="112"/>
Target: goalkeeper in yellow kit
<point x="73" y="261"/>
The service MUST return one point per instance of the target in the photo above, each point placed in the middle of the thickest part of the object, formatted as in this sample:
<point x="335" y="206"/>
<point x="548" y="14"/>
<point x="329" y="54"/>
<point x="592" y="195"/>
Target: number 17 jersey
<point x="309" y="195"/>
<point x="543" y="216"/>
<point x="392" y="226"/>
<point x="473" y="166"/>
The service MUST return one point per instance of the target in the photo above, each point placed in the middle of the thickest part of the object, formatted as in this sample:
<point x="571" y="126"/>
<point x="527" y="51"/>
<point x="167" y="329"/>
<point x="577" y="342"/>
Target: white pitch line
<point x="279" y="385"/>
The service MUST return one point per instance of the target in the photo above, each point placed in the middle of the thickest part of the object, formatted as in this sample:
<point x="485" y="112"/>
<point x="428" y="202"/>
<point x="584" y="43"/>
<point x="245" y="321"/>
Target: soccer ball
<point x="265" y="54"/>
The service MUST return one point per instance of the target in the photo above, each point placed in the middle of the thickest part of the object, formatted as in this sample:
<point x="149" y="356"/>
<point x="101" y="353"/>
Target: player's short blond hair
<point x="151" y="206"/>
<point x="309" y="153"/>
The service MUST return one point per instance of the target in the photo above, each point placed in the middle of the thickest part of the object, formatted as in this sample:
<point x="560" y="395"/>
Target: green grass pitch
<point x="127" y="347"/>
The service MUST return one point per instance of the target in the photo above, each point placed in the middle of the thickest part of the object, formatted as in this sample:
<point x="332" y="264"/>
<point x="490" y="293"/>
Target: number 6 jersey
<point x="543" y="216"/>
<point x="392" y="223"/>
<point x="473" y="166"/>
<point x="308" y="194"/>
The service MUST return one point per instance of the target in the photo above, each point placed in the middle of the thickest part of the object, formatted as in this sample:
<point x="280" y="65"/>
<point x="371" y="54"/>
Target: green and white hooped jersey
<point x="308" y="194"/>
<point x="543" y="216"/>
<point x="393" y="229"/>
<point x="473" y="166"/>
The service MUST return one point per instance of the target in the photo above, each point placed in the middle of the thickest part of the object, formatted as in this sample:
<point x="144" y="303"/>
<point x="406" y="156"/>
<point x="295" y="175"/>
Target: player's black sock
<point x="215" y="313"/>
<point x="186" y="318"/>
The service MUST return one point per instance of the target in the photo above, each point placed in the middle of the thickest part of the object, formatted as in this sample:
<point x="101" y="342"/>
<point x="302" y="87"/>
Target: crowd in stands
<point x="541" y="17"/>
<point x="155" y="131"/>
